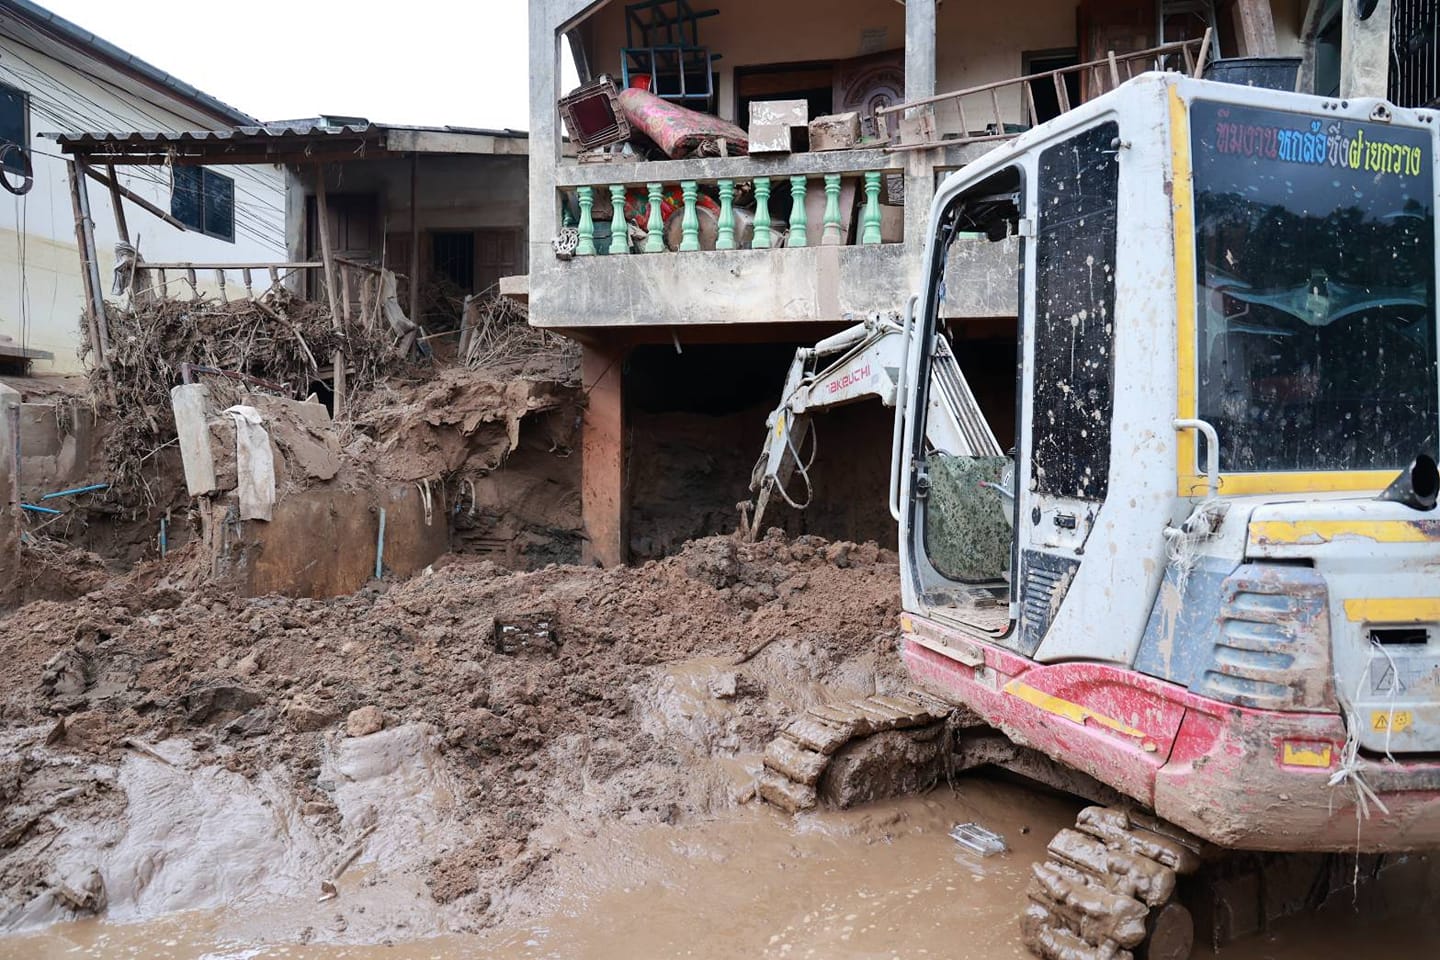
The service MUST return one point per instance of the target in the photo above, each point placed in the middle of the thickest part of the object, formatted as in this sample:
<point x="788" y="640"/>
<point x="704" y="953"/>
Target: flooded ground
<point x="880" y="882"/>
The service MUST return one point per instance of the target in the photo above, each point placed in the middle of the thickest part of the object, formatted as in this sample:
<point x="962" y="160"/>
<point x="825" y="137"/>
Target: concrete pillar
<point x="1364" y="50"/>
<point x="919" y="175"/>
<point x="604" y="497"/>
<point x="9" y="495"/>
<point x="919" y="49"/>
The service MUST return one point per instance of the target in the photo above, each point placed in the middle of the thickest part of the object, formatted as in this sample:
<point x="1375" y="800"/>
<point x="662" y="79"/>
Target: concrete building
<point x="685" y="351"/>
<point x="57" y="77"/>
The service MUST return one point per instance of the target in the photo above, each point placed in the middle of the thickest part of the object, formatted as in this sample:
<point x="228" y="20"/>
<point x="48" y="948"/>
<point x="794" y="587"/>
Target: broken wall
<point x="316" y="523"/>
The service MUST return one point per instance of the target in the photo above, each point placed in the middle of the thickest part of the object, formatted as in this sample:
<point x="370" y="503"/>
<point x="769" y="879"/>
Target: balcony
<point x="803" y="237"/>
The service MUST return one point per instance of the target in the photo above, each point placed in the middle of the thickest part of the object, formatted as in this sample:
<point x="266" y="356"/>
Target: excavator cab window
<point x="968" y="508"/>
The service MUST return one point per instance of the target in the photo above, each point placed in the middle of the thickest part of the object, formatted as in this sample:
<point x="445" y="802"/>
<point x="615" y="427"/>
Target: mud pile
<point x="171" y="749"/>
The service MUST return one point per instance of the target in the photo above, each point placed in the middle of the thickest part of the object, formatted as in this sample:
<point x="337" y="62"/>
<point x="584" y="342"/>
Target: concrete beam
<point x="604" y="497"/>
<point x="455" y="142"/>
<point x="1364" y="50"/>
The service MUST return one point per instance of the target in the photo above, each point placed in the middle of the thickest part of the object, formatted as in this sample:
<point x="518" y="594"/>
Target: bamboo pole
<point x="92" y="263"/>
<point x="120" y="224"/>
<point x="92" y="325"/>
<point x="337" y="358"/>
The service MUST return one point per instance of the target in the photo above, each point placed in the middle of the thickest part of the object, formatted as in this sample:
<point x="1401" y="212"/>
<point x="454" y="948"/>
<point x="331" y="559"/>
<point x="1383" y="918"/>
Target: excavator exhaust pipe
<point x="1417" y="486"/>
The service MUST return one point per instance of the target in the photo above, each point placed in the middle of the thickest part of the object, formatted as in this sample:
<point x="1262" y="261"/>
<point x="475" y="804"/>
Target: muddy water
<point x="883" y="882"/>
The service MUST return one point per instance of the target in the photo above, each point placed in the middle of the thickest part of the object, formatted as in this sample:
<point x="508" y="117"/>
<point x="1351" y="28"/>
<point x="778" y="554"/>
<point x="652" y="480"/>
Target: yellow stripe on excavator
<point x="1067" y="709"/>
<point x="1299" y="532"/>
<point x="1394" y="610"/>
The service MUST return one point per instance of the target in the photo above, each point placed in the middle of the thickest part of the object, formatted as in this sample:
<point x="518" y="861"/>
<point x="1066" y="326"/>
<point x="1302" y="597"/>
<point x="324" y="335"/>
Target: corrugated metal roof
<point x="289" y="130"/>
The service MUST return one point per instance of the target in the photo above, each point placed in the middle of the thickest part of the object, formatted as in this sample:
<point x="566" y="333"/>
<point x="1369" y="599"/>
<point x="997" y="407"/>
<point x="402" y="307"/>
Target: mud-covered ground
<point x="170" y="748"/>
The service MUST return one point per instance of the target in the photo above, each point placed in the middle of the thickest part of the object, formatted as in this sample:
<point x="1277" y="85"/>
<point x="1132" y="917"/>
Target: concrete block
<point x="839" y="131"/>
<point x="190" y="402"/>
<point x="779" y="113"/>
<point x="770" y="139"/>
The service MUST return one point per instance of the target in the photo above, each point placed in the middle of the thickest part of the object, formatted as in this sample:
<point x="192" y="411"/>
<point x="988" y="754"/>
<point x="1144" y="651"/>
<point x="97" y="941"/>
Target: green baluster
<point x="655" y="241"/>
<point x="831" y="234"/>
<point x="761" y="239"/>
<point x="689" y="222"/>
<point x="725" y="238"/>
<point x="870" y="219"/>
<point x="619" y="229"/>
<point x="586" y="247"/>
<point x="798" y="228"/>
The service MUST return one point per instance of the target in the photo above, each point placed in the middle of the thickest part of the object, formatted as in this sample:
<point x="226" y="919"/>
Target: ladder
<point x="1187" y="19"/>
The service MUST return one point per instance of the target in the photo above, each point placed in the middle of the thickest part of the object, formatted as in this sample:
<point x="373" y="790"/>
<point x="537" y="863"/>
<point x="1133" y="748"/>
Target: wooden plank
<point x="1257" y="28"/>
<point x="188" y="265"/>
<point x="91" y="264"/>
<point x="92" y="324"/>
<point x="120" y="224"/>
<point x="337" y="357"/>
<point x="114" y="186"/>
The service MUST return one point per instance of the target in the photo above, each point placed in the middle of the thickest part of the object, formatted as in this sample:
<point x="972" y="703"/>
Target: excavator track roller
<point x="1105" y="892"/>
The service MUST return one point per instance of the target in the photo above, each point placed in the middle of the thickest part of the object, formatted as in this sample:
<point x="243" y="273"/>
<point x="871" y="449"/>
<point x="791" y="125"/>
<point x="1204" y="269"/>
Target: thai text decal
<point x="1319" y="144"/>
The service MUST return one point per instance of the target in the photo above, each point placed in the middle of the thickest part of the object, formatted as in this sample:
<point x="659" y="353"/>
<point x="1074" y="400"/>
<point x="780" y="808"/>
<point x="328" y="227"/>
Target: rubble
<point x="365" y="718"/>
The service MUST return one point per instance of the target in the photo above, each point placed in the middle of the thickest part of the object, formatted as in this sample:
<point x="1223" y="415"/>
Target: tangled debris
<point x="389" y="728"/>
<point x="277" y="337"/>
<point x="496" y="335"/>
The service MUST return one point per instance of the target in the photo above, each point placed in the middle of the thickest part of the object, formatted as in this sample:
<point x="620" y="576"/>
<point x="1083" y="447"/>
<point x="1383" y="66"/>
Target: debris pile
<point x="278" y="337"/>
<point x="394" y="721"/>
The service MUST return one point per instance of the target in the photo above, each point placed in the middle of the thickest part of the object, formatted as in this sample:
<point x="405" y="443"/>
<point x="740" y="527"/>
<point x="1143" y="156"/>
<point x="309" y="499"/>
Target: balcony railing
<point x="734" y="203"/>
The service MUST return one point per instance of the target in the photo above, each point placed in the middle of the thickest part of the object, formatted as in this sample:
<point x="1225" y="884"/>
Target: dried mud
<point x="171" y="747"/>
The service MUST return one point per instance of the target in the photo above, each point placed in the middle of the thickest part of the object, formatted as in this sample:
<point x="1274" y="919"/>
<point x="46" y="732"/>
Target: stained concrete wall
<point x="9" y="494"/>
<point x="322" y="542"/>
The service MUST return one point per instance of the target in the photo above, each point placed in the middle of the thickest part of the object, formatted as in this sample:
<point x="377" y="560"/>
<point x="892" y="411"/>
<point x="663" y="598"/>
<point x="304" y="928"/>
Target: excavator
<point x="1200" y="590"/>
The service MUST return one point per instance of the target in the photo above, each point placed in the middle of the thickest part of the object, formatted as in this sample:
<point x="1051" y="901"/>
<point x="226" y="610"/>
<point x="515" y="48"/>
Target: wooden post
<point x="345" y="292"/>
<point x="414" y="240"/>
<point x="1257" y="28"/>
<point x="92" y="323"/>
<point x="92" y="263"/>
<point x="120" y="224"/>
<point x="322" y="211"/>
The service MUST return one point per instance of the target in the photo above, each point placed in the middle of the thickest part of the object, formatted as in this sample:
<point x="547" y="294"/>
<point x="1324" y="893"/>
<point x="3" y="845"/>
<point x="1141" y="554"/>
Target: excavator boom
<point x="863" y="361"/>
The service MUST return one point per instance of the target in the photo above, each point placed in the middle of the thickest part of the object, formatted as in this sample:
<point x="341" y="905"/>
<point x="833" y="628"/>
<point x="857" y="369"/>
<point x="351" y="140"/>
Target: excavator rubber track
<point x="1106" y="892"/>
<point x="797" y="758"/>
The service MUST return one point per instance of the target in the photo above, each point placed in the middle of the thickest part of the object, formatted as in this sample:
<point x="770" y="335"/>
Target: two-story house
<point x="685" y="348"/>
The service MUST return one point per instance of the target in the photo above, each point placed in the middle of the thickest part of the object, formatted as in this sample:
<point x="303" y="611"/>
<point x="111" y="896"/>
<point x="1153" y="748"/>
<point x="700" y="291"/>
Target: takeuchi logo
<point x="1318" y="146"/>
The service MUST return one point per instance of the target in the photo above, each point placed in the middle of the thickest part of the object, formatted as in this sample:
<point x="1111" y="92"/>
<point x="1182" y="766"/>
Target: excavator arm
<point x="866" y="360"/>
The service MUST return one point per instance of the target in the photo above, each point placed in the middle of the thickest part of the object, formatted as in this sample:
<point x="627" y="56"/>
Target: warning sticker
<point x="1393" y="721"/>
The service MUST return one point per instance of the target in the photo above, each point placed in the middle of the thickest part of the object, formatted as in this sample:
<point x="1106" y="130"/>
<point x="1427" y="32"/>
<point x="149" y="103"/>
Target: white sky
<point x="430" y="62"/>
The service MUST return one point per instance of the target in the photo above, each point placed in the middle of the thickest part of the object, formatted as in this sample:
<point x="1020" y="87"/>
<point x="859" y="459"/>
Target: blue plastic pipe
<point x="70" y="493"/>
<point x="34" y="509"/>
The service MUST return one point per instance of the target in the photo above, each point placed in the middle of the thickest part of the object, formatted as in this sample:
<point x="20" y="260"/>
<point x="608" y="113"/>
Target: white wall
<point x="41" y="291"/>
